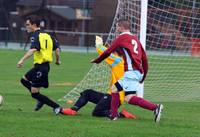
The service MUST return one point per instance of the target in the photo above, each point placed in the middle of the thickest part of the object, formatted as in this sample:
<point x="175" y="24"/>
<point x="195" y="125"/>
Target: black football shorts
<point x="38" y="75"/>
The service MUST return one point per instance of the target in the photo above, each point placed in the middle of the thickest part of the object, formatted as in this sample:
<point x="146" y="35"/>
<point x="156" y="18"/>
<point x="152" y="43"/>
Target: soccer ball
<point x="1" y="100"/>
<point x="70" y="102"/>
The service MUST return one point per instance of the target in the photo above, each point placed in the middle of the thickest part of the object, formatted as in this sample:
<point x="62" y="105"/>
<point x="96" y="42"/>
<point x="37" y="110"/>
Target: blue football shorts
<point x="131" y="81"/>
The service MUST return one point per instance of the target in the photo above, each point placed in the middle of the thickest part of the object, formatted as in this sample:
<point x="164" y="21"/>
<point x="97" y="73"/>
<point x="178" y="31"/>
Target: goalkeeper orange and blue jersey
<point x="117" y="68"/>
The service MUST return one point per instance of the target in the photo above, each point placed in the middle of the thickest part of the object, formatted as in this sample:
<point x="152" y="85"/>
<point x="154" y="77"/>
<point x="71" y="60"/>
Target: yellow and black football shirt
<point x="45" y="44"/>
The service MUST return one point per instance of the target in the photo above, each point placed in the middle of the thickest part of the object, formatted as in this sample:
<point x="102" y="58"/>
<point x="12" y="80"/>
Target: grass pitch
<point x="18" y="119"/>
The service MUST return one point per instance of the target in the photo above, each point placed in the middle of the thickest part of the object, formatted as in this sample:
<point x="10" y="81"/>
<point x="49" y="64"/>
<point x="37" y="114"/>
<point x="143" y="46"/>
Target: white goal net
<point x="173" y="48"/>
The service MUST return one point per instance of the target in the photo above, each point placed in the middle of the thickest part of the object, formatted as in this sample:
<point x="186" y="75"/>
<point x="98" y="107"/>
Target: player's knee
<point x="86" y="92"/>
<point x="34" y="90"/>
<point x="128" y="97"/>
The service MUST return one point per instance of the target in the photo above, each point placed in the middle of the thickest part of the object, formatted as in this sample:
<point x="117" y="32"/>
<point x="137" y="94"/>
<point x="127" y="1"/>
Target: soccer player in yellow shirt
<point x="102" y="100"/>
<point x="42" y="46"/>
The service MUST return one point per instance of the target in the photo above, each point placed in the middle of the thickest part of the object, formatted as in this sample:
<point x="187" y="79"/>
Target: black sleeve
<point x="55" y="43"/>
<point x="35" y="44"/>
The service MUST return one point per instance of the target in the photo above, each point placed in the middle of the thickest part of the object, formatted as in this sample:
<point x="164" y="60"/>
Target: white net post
<point x="143" y="31"/>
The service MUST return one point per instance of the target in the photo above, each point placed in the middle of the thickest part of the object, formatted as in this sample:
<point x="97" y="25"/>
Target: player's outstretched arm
<point x="25" y="57"/>
<point x="100" y="48"/>
<point x="107" y="52"/>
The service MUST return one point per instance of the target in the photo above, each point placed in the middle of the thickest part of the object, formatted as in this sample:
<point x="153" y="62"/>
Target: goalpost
<point x="172" y="37"/>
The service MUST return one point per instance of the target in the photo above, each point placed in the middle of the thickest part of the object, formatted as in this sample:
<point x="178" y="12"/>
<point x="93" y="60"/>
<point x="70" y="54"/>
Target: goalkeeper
<point x="102" y="100"/>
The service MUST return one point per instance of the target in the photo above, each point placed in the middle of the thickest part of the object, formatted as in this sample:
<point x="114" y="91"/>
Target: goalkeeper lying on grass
<point x="102" y="100"/>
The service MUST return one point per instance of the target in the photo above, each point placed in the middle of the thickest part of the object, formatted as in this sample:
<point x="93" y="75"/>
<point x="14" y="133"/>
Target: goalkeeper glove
<point x="98" y="41"/>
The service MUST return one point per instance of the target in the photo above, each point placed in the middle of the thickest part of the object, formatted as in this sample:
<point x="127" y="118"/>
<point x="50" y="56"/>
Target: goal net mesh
<point x="173" y="48"/>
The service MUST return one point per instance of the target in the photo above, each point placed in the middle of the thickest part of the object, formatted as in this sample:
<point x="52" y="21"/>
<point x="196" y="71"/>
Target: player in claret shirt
<point x="136" y="67"/>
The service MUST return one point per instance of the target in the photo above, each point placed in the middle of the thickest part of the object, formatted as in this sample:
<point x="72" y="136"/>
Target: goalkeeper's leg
<point x="102" y="109"/>
<point x="88" y="95"/>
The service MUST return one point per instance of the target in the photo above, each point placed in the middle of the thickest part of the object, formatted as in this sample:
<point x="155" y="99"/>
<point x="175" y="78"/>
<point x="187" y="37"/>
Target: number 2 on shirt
<point x="135" y="46"/>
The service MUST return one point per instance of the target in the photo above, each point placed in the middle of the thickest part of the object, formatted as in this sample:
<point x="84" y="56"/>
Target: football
<point x="1" y="100"/>
<point x="70" y="102"/>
